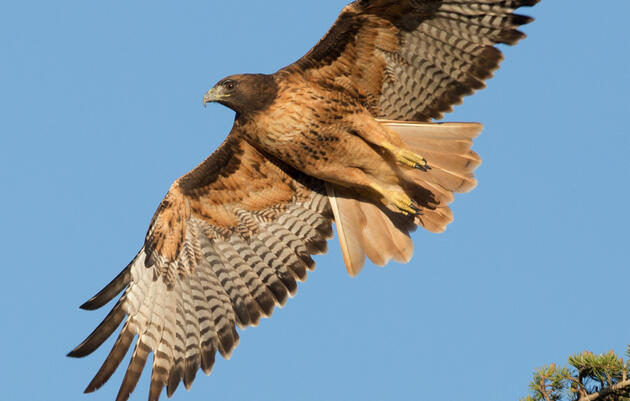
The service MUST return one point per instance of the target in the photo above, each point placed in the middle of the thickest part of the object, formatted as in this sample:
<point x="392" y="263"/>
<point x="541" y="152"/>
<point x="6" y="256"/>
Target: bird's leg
<point x="375" y="133"/>
<point x="392" y="197"/>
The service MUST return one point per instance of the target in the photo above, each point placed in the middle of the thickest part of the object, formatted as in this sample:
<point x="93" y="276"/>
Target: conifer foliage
<point x="588" y="377"/>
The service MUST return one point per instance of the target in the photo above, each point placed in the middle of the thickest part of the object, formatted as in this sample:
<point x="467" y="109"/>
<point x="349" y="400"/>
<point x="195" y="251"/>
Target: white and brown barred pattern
<point x="412" y="60"/>
<point x="187" y="309"/>
<point x="448" y="56"/>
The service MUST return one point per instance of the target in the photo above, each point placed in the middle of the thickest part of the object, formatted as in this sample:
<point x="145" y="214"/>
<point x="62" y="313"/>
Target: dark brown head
<point x="246" y="94"/>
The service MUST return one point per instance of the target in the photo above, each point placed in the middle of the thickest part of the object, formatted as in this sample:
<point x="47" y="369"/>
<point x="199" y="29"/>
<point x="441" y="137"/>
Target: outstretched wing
<point x="226" y="245"/>
<point x="414" y="59"/>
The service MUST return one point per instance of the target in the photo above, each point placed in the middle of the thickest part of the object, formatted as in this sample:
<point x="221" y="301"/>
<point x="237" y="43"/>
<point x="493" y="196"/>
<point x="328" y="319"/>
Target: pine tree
<point x="588" y="377"/>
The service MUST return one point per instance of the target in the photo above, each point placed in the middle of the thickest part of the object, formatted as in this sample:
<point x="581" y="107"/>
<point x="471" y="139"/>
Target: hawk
<point x="342" y="135"/>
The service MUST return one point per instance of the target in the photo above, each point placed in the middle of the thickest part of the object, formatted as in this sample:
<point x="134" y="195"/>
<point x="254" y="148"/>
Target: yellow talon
<point x="404" y="203"/>
<point x="399" y="200"/>
<point x="408" y="158"/>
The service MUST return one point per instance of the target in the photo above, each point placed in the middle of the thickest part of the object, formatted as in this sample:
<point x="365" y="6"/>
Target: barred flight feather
<point x="185" y="310"/>
<point x="441" y="51"/>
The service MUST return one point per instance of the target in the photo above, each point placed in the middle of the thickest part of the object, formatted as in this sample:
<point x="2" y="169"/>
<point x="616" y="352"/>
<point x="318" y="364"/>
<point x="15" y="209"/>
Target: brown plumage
<point x="341" y="135"/>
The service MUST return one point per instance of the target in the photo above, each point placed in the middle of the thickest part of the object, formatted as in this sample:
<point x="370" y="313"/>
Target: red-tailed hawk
<point x="326" y="139"/>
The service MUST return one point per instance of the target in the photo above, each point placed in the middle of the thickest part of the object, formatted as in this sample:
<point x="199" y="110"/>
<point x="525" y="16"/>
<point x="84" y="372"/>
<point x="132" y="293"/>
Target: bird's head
<point x="245" y="93"/>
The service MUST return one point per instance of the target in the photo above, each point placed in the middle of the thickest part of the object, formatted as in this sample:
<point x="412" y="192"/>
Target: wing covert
<point x="414" y="59"/>
<point x="228" y="243"/>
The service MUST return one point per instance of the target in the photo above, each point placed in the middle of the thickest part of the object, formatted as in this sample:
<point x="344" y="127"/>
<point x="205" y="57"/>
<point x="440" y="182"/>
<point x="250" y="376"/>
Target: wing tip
<point x="90" y="304"/>
<point x="529" y="3"/>
<point x="520" y="19"/>
<point x="100" y="334"/>
<point x="74" y="353"/>
<point x="92" y="387"/>
<point x="110" y="290"/>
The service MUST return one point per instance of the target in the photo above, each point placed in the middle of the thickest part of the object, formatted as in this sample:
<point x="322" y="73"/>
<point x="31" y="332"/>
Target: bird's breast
<point x="303" y="125"/>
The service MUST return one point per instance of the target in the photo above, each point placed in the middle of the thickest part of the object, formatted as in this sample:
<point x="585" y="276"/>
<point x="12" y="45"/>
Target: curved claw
<point x="420" y="167"/>
<point x="398" y="201"/>
<point x="404" y="204"/>
<point x="411" y="159"/>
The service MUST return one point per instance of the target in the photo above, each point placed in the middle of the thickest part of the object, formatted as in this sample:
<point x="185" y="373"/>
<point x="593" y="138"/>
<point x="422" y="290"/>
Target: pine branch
<point x="616" y="388"/>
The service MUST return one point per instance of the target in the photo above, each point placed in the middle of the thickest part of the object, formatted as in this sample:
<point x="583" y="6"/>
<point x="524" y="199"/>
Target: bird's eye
<point x="229" y="85"/>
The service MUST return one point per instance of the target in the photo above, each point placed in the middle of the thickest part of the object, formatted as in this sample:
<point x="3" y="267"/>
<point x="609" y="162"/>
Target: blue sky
<point x="101" y="110"/>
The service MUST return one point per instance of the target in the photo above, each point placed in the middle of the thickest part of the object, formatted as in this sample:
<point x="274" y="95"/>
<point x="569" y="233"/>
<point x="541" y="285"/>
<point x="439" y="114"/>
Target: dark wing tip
<point x="115" y="357"/>
<point x="134" y="371"/>
<point x="190" y="370"/>
<point x="91" y="304"/>
<point x="77" y="352"/>
<point x="74" y="354"/>
<point x="100" y="333"/>
<point x="92" y="387"/>
<point x="110" y="291"/>
<point x="511" y="37"/>
<point x="529" y="3"/>
<point x="174" y="379"/>
<point x="155" y="390"/>
<point x="519" y="19"/>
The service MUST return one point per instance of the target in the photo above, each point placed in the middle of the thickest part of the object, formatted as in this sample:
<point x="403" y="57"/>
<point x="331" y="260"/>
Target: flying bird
<point x="342" y="135"/>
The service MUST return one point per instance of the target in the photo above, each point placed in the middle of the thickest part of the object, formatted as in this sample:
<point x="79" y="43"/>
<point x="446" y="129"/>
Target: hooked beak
<point x="213" y="95"/>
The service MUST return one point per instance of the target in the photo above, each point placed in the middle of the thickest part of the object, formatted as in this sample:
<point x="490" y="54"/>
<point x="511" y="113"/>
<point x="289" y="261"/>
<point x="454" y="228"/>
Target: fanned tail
<point x="365" y="228"/>
<point x="368" y="229"/>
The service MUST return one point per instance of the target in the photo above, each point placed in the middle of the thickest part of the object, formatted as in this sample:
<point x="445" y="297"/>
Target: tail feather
<point x="350" y="222"/>
<point x="384" y="238"/>
<point x="446" y="147"/>
<point x="436" y="220"/>
<point x="367" y="229"/>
